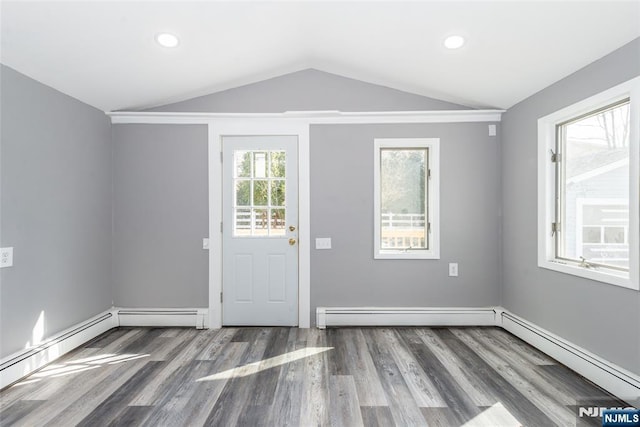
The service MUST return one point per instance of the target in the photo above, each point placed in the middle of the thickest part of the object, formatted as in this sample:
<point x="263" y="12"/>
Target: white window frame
<point x="547" y="186"/>
<point x="433" y="199"/>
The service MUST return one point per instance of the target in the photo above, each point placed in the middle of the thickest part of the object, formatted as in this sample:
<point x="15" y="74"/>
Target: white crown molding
<point x="311" y="117"/>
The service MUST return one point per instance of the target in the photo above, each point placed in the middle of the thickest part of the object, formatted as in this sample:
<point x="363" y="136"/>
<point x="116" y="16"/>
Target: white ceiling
<point x="103" y="52"/>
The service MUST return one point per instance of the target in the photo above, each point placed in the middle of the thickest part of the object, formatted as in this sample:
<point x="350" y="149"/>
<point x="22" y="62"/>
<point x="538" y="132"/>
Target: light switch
<point x="205" y="243"/>
<point x="6" y="257"/>
<point x="453" y="269"/>
<point x="323" y="243"/>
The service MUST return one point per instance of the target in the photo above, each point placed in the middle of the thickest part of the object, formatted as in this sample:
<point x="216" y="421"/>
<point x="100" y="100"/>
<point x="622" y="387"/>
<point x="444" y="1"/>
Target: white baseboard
<point x="22" y="363"/>
<point x="616" y="380"/>
<point x="25" y="362"/>
<point x="404" y="316"/>
<point x="163" y="317"/>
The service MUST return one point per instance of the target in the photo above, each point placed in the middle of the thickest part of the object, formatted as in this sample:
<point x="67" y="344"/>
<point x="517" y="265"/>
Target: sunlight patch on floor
<point x="56" y="370"/>
<point x="70" y="369"/>
<point x="25" y="382"/>
<point x="262" y="365"/>
<point x="495" y="416"/>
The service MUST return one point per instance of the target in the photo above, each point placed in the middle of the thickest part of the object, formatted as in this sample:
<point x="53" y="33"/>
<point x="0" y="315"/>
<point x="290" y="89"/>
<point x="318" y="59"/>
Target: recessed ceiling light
<point x="167" y="40"/>
<point x="454" y="42"/>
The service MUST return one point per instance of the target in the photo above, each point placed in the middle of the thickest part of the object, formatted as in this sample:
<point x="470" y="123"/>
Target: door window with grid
<point x="259" y="203"/>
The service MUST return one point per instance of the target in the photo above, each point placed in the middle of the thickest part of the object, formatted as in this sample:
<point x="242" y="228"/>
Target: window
<point x="259" y="203"/>
<point x="588" y="187"/>
<point x="406" y="198"/>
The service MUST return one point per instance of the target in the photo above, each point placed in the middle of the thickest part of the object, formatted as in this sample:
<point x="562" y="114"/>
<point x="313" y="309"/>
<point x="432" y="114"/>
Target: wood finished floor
<point x="301" y="377"/>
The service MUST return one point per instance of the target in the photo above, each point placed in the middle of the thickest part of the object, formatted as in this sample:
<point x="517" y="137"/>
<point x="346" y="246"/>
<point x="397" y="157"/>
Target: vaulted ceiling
<point x="104" y="53"/>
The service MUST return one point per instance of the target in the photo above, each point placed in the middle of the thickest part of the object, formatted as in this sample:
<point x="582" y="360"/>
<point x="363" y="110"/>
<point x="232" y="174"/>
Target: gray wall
<point x="602" y="318"/>
<point x="160" y="215"/>
<point x="342" y="208"/>
<point x="308" y="90"/>
<point x="148" y="158"/>
<point x="56" y="210"/>
<point x="161" y="208"/>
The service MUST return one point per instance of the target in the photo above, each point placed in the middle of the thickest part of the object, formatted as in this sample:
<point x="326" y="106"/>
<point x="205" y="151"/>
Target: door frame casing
<point x="245" y="127"/>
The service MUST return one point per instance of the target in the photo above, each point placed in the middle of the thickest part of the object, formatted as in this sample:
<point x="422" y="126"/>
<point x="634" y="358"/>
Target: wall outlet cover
<point x="6" y="257"/>
<point x="453" y="269"/>
<point x="323" y="243"/>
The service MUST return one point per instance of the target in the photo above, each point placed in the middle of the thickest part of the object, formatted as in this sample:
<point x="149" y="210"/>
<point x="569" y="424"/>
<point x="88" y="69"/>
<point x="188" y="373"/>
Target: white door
<point x="260" y="230"/>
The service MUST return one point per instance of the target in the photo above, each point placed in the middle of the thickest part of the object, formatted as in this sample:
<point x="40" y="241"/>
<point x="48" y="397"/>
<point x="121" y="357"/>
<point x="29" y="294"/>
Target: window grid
<point x="260" y="187"/>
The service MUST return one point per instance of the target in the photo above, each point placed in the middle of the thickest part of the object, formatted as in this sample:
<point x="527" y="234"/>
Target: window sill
<point x="406" y="255"/>
<point x="612" y="277"/>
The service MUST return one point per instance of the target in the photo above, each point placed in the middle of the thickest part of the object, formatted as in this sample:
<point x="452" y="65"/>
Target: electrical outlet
<point x="323" y="243"/>
<point x="453" y="269"/>
<point x="6" y="257"/>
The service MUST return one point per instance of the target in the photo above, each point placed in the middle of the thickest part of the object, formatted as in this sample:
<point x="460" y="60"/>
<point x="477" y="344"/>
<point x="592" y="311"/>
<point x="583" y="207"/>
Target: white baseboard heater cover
<point x="404" y="316"/>
<point x="23" y="363"/>
<point x="188" y="317"/>
<point x="615" y="379"/>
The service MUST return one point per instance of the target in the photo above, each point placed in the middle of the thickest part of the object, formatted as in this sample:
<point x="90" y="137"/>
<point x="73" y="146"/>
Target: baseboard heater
<point x="188" y="317"/>
<point x="22" y="363"/>
<point x="404" y="316"/>
<point x="613" y="378"/>
<point x="25" y="362"/>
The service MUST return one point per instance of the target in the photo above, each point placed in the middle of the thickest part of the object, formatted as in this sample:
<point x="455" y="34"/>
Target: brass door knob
<point x="292" y="242"/>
